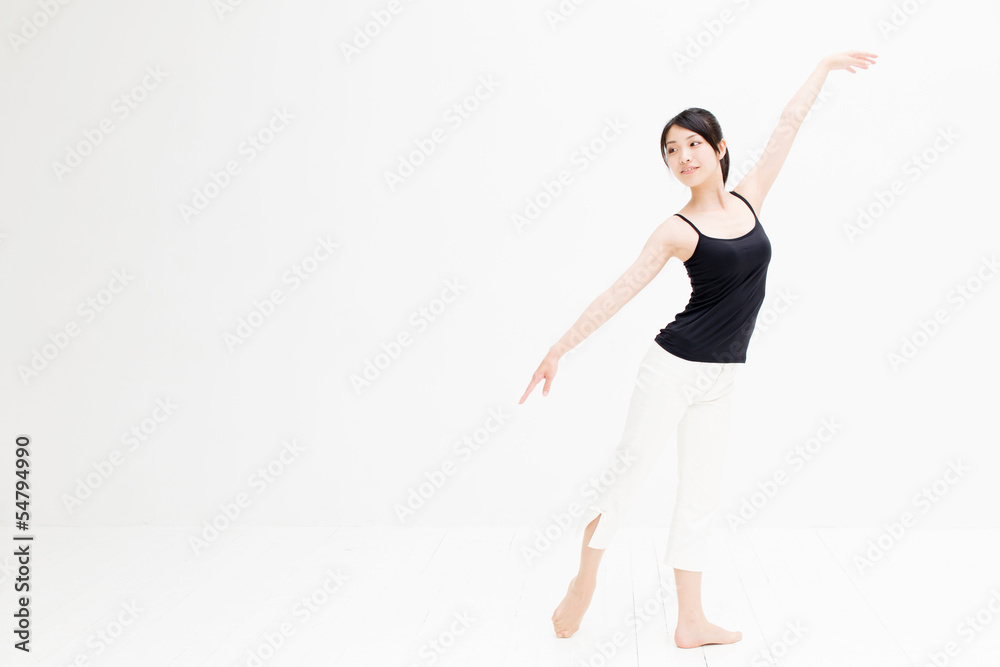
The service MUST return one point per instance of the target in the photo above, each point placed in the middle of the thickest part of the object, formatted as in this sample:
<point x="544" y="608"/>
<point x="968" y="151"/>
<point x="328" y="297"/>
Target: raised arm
<point x="758" y="181"/>
<point x="660" y="247"/>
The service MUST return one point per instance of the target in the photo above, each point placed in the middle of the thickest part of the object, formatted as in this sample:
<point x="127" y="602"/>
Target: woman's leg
<point x="657" y="405"/>
<point x="567" y="616"/>
<point x="701" y="443"/>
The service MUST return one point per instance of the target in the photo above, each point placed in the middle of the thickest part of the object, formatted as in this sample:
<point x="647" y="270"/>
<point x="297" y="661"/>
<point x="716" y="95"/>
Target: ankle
<point x="692" y="618"/>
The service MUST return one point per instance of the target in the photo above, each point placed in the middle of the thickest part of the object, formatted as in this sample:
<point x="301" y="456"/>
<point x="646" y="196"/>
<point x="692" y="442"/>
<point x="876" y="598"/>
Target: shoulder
<point x="674" y="234"/>
<point x="674" y="227"/>
<point x="748" y="192"/>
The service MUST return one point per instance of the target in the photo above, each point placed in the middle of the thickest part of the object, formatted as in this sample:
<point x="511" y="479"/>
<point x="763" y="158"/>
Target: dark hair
<point x="704" y="123"/>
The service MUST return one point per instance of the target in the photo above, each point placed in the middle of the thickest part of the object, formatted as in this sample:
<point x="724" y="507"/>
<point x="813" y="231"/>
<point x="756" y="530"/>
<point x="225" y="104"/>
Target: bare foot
<point x="691" y="634"/>
<point x="567" y="616"/>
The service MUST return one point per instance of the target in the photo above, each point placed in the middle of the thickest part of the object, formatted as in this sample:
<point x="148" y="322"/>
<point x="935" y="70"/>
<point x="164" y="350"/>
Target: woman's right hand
<point x="546" y="370"/>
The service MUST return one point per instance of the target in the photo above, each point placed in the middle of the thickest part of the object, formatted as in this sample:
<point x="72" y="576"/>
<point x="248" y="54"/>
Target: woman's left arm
<point x="758" y="181"/>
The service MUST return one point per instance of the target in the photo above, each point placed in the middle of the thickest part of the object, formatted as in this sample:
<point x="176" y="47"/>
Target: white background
<point x="324" y="175"/>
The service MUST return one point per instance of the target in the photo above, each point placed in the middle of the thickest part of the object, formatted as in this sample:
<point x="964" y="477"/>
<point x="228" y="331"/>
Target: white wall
<point x="161" y="336"/>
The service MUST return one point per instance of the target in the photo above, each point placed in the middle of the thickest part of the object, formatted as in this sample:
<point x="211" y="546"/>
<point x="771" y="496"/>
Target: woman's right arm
<point x="660" y="247"/>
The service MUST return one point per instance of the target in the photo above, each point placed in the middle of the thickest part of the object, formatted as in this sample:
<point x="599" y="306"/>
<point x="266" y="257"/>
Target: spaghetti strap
<point x="689" y="222"/>
<point x="733" y="192"/>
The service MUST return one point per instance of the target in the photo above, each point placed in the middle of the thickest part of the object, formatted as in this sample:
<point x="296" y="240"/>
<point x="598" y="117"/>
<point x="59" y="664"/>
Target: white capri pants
<point x="693" y="397"/>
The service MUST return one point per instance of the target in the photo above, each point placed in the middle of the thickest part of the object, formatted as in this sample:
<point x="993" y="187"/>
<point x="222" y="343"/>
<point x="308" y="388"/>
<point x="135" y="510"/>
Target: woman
<point x="687" y="375"/>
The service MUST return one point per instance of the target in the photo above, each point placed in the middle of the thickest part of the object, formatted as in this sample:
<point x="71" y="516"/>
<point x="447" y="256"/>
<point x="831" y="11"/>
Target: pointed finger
<point x="531" y="385"/>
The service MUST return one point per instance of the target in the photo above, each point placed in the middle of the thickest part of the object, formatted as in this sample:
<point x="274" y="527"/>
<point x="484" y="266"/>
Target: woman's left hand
<point x="850" y="59"/>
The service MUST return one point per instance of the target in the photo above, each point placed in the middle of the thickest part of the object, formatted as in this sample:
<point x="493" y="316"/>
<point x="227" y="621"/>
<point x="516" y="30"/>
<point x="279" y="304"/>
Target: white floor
<point x="468" y="596"/>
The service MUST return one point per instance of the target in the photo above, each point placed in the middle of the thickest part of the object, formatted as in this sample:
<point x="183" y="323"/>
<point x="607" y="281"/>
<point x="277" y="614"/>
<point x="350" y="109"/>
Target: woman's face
<point x="691" y="158"/>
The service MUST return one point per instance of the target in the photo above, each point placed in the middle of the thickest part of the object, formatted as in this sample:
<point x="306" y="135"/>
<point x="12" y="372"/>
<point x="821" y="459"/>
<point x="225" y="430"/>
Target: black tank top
<point x="727" y="289"/>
